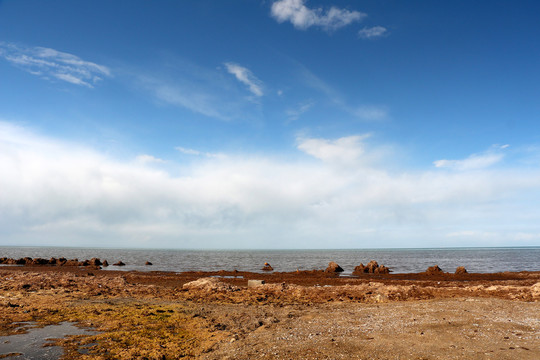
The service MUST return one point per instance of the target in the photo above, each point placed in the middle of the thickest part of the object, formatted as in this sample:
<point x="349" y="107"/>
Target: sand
<point x="299" y="315"/>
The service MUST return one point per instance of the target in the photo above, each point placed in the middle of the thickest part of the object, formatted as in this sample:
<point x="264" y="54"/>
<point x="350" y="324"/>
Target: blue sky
<point x="269" y="124"/>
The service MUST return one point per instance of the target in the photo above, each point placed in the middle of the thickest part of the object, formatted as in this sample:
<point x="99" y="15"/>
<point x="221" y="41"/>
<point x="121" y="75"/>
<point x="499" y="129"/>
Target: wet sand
<point x="306" y="314"/>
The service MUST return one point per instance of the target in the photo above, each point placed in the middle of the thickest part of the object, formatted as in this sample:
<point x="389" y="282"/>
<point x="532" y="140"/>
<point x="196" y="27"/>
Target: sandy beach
<point x="296" y="315"/>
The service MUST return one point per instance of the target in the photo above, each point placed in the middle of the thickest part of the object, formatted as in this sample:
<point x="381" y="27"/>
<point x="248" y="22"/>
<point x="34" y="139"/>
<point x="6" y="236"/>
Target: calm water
<point x="398" y="260"/>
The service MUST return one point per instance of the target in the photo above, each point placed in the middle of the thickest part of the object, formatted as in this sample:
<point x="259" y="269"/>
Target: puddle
<point x="36" y="343"/>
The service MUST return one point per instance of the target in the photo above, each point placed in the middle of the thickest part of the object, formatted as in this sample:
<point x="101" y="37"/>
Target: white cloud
<point x="58" y="193"/>
<point x="149" y="159"/>
<point x="303" y="17"/>
<point x="346" y="150"/>
<point x="194" y="152"/>
<point x="474" y="161"/>
<point x="246" y="77"/>
<point x="52" y="64"/>
<point x="372" y="32"/>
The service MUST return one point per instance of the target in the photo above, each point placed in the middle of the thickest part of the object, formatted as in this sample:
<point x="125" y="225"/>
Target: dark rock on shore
<point x="371" y="268"/>
<point x="434" y="270"/>
<point x="119" y="264"/>
<point x="105" y="263"/>
<point x="148" y="263"/>
<point x="333" y="267"/>
<point x="267" y="267"/>
<point x="461" y="270"/>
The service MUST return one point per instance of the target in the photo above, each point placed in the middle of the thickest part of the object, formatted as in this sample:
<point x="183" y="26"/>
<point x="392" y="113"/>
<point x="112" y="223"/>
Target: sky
<point x="287" y="124"/>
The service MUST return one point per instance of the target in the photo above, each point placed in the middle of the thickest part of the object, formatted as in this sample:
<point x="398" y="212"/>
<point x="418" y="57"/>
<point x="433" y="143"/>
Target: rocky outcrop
<point x="371" y="268"/>
<point x="148" y="263"/>
<point x="333" y="267"/>
<point x="94" y="262"/>
<point x="119" y="263"/>
<point x="208" y="284"/>
<point x="267" y="267"/>
<point x="434" y="270"/>
<point x="461" y="270"/>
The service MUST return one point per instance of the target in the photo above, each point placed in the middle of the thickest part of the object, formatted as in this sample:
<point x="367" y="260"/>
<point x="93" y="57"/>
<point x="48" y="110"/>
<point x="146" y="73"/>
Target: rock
<point x="434" y="270"/>
<point x="72" y="262"/>
<point x="333" y="268"/>
<point x="255" y="283"/>
<point x="119" y="264"/>
<point x="535" y="291"/>
<point x="40" y="261"/>
<point x="95" y="262"/>
<point x="267" y="267"/>
<point x="207" y="284"/>
<point x="105" y="263"/>
<point x="461" y="270"/>
<point x="371" y="268"/>
<point x="148" y="263"/>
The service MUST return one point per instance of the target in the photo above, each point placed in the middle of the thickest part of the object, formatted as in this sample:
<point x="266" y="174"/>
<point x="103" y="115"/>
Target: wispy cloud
<point x="294" y="114"/>
<point x="303" y="17"/>
<point x="194" y="152"/>
<point x="246" y="77"/>
<point x="372" y="32"/>
<point x="206" y="91"/>
<point x="52" y="64"/>
<point x="474" y="161"/>
<point x="149" y="159"/>
<point x="363" y="112"/>
<point x="54" y="190"/>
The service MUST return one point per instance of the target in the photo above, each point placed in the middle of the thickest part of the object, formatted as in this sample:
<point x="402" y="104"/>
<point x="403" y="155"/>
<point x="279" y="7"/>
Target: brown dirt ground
<point x="298" y="315"/>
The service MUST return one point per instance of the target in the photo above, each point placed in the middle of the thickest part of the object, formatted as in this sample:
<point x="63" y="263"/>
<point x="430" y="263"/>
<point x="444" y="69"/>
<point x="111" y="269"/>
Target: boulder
<point x="208" y="284"/>
<point x="333" y="267"/>
<point x="72" y="262"/>
<point x="119" y="263"/>
<point x="148" y="263"/>
<point x="105" y="263"/>
<point x="461" y="270"/>
<point x="255" y="283"/>
<point x="95" y="262"/>
<point x="40" y="261"/>
<point x="434" y="270"/>
<point x="371" y="268"/>
<point x="267" y="267"/>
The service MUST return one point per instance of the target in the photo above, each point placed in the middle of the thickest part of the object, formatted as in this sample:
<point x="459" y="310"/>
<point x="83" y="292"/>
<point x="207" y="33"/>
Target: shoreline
<point x="304" y="314"/>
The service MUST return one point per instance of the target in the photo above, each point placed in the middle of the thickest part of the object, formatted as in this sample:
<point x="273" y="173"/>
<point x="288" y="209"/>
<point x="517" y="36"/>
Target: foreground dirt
<point x="300" y="315"/>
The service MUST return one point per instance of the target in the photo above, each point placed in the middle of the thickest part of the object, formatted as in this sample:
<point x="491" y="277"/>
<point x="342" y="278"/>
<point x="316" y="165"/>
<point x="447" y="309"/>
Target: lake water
<point x="480" y="260"/>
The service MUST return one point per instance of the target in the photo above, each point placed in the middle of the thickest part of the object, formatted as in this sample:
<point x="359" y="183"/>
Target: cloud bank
<point x="52" y="64"/>
<point x="303" y="17"/>
<point x="331" y="193"/>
